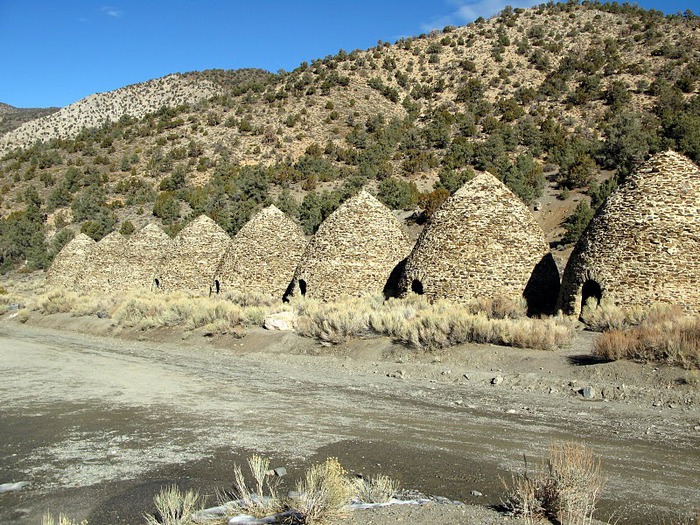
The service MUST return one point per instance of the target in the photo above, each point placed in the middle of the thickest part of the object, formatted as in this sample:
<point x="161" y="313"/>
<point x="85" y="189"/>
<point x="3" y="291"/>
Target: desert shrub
<point x="174" y="507"/>
<point x="606" y="315"/>
<point x="417" y="322"/>
<point x="565" y="488"/>
<point x="376" y="489"/>
<point x="260" y="501"/>
<point x="577" y="222"/>
<point x="667" y="338"/>
<point x="48" y="519"/>
<point x="323" y="493"/>
<point x="56" y="301"/>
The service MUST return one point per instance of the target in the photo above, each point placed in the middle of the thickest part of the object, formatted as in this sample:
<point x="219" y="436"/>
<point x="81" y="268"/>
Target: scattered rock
<point x="476" y="493"/>
<point x="282" y="321"/>
<point x="278" y="472"/>
<point x="588" y="392"/>
<point x="497" y="380"/>
<point x="13" y="487"/>
<point x="102" y="315"/>
<point x="466" y="376"/>
<point x="399" y="374"/>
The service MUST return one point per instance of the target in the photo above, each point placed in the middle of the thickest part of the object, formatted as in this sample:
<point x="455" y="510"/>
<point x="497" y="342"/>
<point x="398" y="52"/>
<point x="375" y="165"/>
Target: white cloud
<point x="466" y="11"/>
<point x="111" y="11"/>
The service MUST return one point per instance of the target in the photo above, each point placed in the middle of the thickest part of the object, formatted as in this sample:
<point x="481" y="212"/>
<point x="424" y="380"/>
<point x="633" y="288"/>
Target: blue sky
<point x="57" y="52"/>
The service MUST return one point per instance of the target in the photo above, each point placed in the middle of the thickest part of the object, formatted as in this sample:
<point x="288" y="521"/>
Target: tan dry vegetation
<point x="672" y="338"/>
<point x="425" y="325"/>
<point x="565" y="489"/>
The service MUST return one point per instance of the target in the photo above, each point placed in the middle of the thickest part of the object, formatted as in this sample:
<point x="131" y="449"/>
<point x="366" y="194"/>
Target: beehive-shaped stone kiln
<point x="353" y="252"/>
<point x="70" y="262"/>
<point x="195" y="255"/>
<point x="139" y="268"/>
<point x="98" y="275"/>
<point x="643" y="245"/>
<point x="262" y="256"/>
<point x="483" y="242"/>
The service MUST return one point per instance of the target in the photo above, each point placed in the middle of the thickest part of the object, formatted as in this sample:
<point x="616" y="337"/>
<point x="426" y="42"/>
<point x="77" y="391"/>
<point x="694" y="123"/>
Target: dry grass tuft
<point x="377" y="489"/>
<point x="663" y="339"/>
<point x="62" y="519"/>
<point x="426" y="325"/>
<point x="324" y="493"/>
<point x="260" y="501"/>
<point x="174" y="507"/>
<point x="608" y="316"/>
<point x="566" y="488"/>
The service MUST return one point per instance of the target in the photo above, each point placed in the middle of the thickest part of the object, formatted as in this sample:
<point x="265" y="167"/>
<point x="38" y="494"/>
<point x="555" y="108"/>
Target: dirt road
<point x="99" y="424"/>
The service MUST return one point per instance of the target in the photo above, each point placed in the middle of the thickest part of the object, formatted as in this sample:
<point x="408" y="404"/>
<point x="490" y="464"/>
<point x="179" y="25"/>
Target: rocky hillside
<point x="135" y="101"/>
<point x="12" y="117"/>
<point x="559" y="101"/>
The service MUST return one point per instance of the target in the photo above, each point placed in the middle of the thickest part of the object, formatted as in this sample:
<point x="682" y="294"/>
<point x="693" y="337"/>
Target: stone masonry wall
<point x="643" y="245"/>
<point x="97" y="274"/>
<point x="142" y="259"/>
<point x="482" y="242"/>
<point x="195" y="255"/>
<point x="353" y="252"/>
<point x="69" y="263"/>
<point x="262" y="256"/>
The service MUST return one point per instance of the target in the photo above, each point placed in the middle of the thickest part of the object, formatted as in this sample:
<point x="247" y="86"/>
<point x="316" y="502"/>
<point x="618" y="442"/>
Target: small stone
<point x="588" y="392"/>
<point x="497" y="380"/>
<point x="279" y="472"/>
<point x="459" y="402"/>
<point x="511" y="411"/>
<point x="476" y="493"/>
<point x="552" y="390"/>
<point x="446" y="372"/>
<point x="102" y="315"/>
<point x="466" y="376"/>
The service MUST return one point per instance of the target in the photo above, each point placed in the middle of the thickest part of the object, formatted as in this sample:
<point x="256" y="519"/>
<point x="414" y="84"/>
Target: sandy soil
<point x="98" y="424"/>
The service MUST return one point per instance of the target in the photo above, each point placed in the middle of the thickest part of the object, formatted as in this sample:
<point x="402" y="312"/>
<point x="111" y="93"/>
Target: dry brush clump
<point x="191" y="312"/>
<point x="416" y="321"/>
<point x="174" y="507"/>
<point x="262" y="499"/>
<point x="565" y="489"/>
<point x="324" y="493"/>
<point x="48" y="519"/>
<point x="606" y="315"/>
<point x="670" y="339"/>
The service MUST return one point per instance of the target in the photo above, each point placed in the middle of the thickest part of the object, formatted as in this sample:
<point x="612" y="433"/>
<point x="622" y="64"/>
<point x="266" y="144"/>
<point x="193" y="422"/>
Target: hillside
<point x="558" y="101"/>
<point x="12" y="117"/>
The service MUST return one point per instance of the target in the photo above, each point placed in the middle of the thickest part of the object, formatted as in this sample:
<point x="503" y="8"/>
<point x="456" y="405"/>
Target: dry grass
<point x="260" y="501"/>
<point x="324" y="493"/>
<point x="608" y="316"/>
<point x="662" y="339"/>
<point x="376" y="489"/>
<point x="421" y="324"/>
<point x="62" y="519"/>
<point x="566" y="488"/>
<point x="174" y="507"/>
<point x="191" y="312"/>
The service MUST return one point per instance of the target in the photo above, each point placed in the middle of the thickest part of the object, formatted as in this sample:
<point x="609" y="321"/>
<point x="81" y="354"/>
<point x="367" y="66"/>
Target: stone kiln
<point x="143" y="259"/>
<point x="69" y="263"/>
<point x="262" y="256"/>
<point x="643" y="245"/>
<point x="98" y="274"/>
<point x="195" y="255"/>
<point x="353" y="253"/>
<point x="483" y="242"/>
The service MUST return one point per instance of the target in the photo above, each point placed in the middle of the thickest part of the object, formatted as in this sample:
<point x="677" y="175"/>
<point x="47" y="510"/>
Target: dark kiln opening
<point x="417" y="287"/>
<point x="302" y="286"/>
<point x="591" y="290"/>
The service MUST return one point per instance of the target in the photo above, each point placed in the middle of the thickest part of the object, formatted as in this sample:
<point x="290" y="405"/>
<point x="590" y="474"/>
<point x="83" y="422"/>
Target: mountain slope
<point x="558" y="101"/>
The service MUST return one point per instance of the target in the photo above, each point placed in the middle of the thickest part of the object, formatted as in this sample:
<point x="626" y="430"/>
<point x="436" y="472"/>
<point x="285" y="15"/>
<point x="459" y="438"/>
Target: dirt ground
<point x="98" y="424"/>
